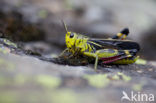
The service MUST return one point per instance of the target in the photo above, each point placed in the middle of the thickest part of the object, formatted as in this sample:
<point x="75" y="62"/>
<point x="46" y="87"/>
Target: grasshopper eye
<point x="71" y="35"/>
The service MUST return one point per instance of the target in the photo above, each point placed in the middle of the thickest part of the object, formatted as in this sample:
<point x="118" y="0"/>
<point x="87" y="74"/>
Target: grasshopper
<point x="115" y="50"/>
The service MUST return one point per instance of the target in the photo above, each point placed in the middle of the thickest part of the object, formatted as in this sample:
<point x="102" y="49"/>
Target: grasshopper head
<point x="71" y="39"/>
<point x="74" y="40"/>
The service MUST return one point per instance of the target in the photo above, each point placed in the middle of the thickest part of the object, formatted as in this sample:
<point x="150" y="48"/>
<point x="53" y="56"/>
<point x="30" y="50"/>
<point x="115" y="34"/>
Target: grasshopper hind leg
<point x="123" y="57"/>
<point x="108" y="56"/>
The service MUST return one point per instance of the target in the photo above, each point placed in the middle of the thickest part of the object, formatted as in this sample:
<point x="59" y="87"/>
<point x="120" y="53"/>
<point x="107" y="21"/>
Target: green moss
<point x="2" y="81"/>
<point x="43" y="14"/>
<point x="8" y="97"/>
<point x="64" y="96"/>
<point x="115" y="77"/>
<point x="6" y="64"/>
<point x="20" y="79"/>
<point x="68" y="4"/>
<point x="4" y="50"/>
<point x="141" y="61"/>
<point x="103" y="80"/>
<point x="98" y="81"/>
<point x="10" y="43"/>
<point x="124" y="77"/>
<point x="48" y="81"/>
<point x="34" y="98"/>
<point x="137" y="87"/>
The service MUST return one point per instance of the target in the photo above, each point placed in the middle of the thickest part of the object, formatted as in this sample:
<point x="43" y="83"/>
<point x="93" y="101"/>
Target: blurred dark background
<point x="37" y="23"/>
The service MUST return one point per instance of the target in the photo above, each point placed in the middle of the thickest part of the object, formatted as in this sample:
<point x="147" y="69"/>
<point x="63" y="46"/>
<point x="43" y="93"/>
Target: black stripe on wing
<point x="121" y="45"/>
<point x="97" y="47"/>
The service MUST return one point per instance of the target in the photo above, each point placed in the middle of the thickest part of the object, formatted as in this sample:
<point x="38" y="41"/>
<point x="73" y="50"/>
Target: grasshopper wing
<point x="116" y="44"/>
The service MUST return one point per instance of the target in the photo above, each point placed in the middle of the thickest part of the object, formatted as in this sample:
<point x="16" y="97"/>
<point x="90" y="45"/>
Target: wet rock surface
<point x="29" y="78"/>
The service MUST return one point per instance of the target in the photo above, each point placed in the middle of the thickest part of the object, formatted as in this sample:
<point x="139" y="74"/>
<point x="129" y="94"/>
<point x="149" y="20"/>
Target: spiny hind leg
<point x="123" y="34"/>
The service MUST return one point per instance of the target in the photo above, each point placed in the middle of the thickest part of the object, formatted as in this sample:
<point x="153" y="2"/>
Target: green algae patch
<point x="98" y="81"/>
<point x="20" y="79"/>
<point x="103" y="80"/>
<point x="115" y="77"/>
<point x="35" y="98"/>
<point x="8" y="97"/>
<point x="65" y="96"/>
<point x="6" y="64"/>
<point x="9" y="43"/>
<point x="48" y="81"/>
<point x="124" y="77"/>
<point x="43" y="14"/>
<point x="4" y="50"/>
<point x="137" y="87"/>
<point x="3" y="81"/>
<point x="141" y="61"/>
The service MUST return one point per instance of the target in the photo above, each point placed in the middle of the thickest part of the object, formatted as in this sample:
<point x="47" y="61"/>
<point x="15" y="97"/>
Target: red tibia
<point x="114" y="59"/>
<point x="110" y="58"/>
<point x="110" y="61"/>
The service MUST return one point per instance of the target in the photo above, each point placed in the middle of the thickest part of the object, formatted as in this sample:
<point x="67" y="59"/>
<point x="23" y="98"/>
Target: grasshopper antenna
<point x="65" y="26"/>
